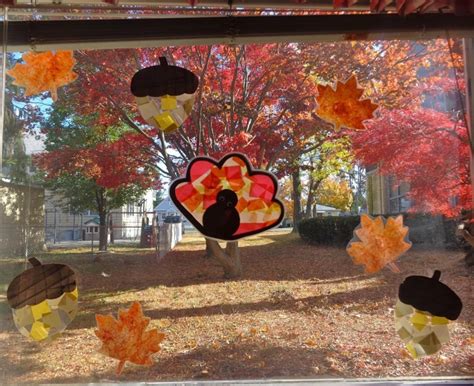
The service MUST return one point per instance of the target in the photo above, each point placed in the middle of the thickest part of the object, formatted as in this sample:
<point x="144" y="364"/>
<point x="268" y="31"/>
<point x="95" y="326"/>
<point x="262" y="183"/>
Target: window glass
<point x="286" y="303"/>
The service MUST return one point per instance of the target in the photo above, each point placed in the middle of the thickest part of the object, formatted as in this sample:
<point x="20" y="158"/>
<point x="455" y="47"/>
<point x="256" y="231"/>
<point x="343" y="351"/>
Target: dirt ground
<point x="298" y="311"/>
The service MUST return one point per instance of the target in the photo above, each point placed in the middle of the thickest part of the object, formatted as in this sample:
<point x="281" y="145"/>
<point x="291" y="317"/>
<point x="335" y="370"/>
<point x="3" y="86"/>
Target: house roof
<point x="324" y="208"/>
<point x="166" y="206"/>
<point x="92" y="221"/>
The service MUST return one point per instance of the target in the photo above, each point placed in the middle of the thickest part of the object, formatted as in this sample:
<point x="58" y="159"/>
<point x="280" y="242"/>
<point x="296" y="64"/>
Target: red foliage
<point x="111" y="165"/>
<point x="424" y="148"/>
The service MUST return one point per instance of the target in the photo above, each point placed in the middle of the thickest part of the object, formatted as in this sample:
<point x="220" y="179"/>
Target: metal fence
<point x="139" y="229"/>
<point x="66" y="228"/>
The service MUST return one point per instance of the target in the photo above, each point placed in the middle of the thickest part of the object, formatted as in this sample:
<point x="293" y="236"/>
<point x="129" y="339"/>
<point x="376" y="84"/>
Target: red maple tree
<point x="425" y="148"/>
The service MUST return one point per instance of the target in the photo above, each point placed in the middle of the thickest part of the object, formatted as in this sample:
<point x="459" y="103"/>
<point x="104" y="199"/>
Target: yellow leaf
<point x="379" y="243"/>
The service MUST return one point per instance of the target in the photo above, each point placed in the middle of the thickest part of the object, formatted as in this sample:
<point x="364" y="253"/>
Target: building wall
<point x="62" y="225"/>
<point x="21" y="219"/>
<point x="377" y="193"/>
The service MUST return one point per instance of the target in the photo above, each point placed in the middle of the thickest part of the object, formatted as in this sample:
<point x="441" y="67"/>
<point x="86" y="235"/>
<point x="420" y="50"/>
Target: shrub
<point x="425" y="230"/>
<point x="328" y="230"/>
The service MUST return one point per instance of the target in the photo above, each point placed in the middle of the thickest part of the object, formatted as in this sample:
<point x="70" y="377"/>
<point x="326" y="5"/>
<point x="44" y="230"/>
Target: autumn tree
<point x="94" y="168"/>
<point x="425" y="148"/>
<point x="335" y="192"/>
<point x="420" y="87"/>
<point x="256" y="99"/>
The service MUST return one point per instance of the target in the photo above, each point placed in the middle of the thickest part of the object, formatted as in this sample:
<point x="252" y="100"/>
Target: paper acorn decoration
<point x="226" y="199"/>
<point x="43" y="299"/>
<point x="422" y="313"/>
<point x="378" y="243"/>
<point x="165" y="94"/>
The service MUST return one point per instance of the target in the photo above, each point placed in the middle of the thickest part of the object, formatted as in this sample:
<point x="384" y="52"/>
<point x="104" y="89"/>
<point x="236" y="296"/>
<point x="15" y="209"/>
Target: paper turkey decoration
<point x="378" y="242"/>
<point x="227" y="199"/>
<point x="43" y="299"/>
<point x="424" y="308"/>
<point x="164" y="94"/>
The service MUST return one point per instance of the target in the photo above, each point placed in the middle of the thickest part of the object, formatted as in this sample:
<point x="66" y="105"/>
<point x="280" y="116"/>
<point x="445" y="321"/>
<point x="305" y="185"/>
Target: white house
<point x="323" y="210"/>
<point x="167" y="208"/>
<point x="61" y="225"/>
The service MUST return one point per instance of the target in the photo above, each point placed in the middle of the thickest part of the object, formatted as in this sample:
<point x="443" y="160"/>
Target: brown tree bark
<point x="102" y="231"/>
<point x="229" y="258"/>
<point x="297" y="215"/>
<point x="102" y="209"/>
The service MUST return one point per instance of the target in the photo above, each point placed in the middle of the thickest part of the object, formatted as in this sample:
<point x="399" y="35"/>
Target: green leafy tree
<point x="88" y="166"/>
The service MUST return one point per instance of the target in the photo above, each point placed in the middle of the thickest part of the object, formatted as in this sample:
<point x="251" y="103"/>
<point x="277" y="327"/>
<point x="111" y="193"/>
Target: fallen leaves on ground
<point x="315" y="314"/>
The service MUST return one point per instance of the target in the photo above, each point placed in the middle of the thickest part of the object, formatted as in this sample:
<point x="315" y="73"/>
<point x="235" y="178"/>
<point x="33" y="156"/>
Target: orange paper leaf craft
<point x="44" y="71"/>
<point x="379" y="243"/>
<point x="125" y="339"/>
<point x="343" y="107"/>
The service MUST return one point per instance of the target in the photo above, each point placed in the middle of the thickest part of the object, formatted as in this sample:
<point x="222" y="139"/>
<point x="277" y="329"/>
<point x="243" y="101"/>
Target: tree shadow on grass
<point x="286" y="261"/>
<point x="11" y="368"/>
<point x="236" y="360"/>
<point x="367" y="296"/>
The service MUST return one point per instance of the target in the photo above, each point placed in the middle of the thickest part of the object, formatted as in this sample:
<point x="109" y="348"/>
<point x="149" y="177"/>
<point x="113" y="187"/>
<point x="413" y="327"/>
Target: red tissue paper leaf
<point x="257" y="206"/>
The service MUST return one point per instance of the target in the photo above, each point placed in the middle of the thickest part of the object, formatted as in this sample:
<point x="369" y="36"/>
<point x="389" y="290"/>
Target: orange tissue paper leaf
<point x="44" y="71"/>
<point x="378" y="243"/>
<point x="126" y="339"/>
<point x="343" y="107"/>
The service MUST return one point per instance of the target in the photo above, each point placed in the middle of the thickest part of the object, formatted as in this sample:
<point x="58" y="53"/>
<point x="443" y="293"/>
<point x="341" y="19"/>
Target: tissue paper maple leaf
<point x="342" y="106"/>
<point x="379" y="243"/>
<point x="125" y="339"/>
<point x="44" y="71"/>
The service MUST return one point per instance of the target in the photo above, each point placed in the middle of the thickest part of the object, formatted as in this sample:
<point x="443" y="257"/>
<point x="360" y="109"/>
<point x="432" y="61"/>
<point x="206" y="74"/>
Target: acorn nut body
<point x="43" y="300"/>
<point x="423" y="311"/>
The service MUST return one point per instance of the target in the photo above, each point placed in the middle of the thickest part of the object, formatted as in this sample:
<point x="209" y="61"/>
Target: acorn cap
<point x="48" y="281"/>
<point x="429" y="294"/>
<point x="156" y="81"/>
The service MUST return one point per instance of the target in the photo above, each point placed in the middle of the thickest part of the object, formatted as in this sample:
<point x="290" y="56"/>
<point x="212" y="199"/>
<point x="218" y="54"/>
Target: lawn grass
<point x="297" y="311"/>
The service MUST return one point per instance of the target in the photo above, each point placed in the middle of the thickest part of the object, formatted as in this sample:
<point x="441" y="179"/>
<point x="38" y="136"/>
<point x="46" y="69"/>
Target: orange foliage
<point x="44" y="71"/>
<point x="125" y="339"/>
<point x="380" y="243"/>
<point x="343" y="107"/>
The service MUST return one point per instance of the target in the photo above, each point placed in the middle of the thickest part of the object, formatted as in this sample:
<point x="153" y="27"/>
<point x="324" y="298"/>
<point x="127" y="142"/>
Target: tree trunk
<point x="142" y="233"/>
<point x="296" y="180"/>
<point x="228" y="259"/>
<point x="102" y="230"/>
<point x="111" y="228"/>
<point x="309" y="202"/>
<point x="208" y="251"/>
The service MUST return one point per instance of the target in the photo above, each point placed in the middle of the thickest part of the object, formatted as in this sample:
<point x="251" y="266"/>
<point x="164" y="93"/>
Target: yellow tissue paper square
<point x="168" y="102"/>
<point x="164" y="120"/>
<point x="39" y="331"/>
<point x="38" y="310"/>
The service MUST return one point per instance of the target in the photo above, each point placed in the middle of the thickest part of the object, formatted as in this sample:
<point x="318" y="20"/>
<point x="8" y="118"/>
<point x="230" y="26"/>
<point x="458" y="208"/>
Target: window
<point x="300" y="308"/>
<point x="398" y="202"/>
